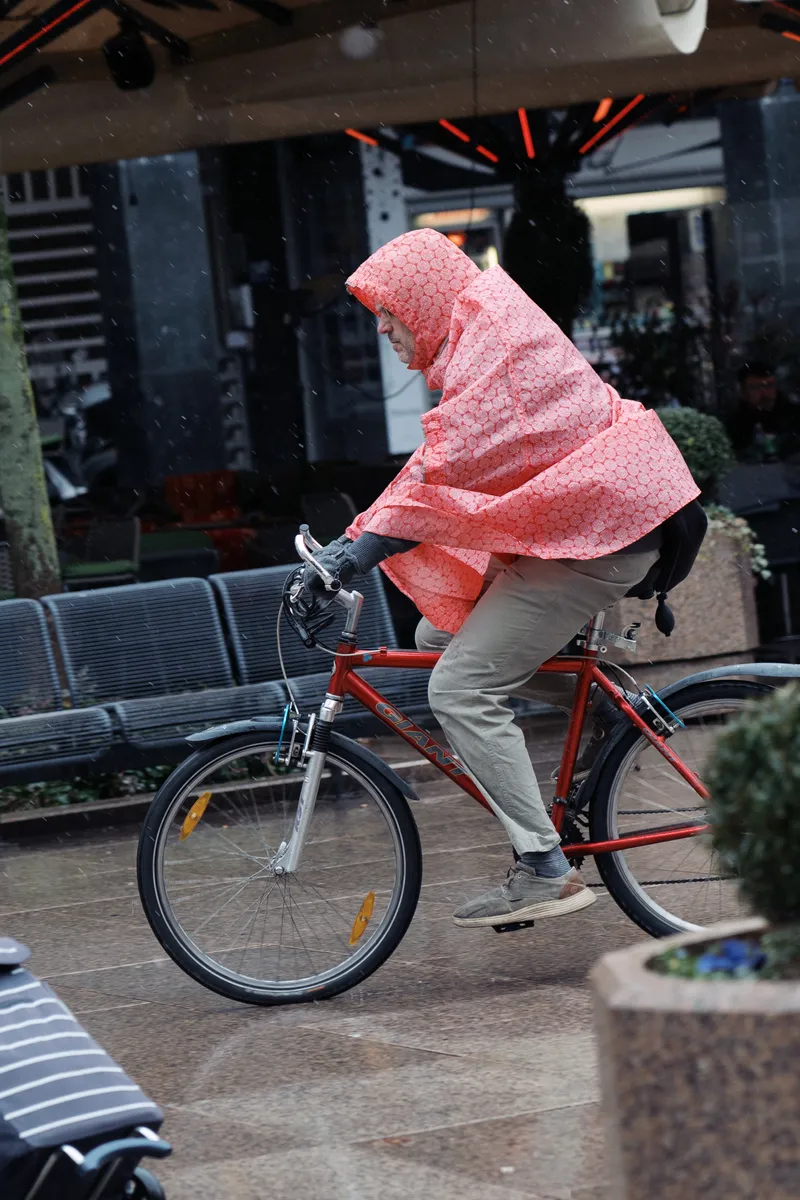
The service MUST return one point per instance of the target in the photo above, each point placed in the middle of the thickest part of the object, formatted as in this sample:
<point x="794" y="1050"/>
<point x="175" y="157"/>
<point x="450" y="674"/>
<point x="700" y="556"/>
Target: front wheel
<point x="235" y="925"/>
<point x="668" y="887"/>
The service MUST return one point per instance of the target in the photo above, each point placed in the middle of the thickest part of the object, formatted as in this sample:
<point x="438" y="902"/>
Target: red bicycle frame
<point x="345" y="681"/>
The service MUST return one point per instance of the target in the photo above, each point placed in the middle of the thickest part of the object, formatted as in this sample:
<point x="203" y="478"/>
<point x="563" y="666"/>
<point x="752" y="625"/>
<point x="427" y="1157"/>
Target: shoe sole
<point x="534" y="912"/>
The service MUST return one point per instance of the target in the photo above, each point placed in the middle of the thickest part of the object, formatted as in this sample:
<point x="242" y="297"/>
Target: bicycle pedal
<point x="512" y="925"/>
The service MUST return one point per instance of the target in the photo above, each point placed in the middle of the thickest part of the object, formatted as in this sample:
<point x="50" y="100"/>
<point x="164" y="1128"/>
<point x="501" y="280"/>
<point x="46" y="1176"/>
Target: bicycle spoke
<point x="336" y="933"/>
<point x="289" y="906"/>
<point x="230" y="900"/>
<point x="676" y="884"/>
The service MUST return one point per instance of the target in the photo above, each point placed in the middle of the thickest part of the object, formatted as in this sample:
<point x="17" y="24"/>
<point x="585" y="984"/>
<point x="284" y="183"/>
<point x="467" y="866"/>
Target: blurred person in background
<point x="765" y="425"/>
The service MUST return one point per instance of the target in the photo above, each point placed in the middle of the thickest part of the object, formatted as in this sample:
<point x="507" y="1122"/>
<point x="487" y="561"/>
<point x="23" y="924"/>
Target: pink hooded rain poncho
<point x="529" y="452"/>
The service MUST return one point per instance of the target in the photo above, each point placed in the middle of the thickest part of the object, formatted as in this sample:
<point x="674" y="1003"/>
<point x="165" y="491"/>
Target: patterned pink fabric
<point x="529" y="452"/>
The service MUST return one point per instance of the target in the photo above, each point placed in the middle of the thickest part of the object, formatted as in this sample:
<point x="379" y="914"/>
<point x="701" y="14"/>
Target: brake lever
<point x="332" y="582"/>
<point x="298" y="626"/>
<point x="308" y="636"/>
<point x="309" y="539"/>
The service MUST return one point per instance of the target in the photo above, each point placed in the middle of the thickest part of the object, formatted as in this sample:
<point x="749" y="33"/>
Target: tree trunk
<point x="547" y="248"/>
<point x="23" y="490"/>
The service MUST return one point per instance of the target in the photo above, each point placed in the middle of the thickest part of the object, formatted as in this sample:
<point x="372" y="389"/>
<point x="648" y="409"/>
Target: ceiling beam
<point x="178" y="48"/>
<point x="484" y="134"/>
<point x="308" y="21"/>
<point x="269" y="10"/>
<point x="788" y="26"/>
<point x="43" y="29"/>
<point x="26" y="85"/>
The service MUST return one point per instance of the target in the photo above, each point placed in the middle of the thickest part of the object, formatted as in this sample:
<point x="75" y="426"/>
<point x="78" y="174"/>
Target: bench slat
<point x="251" y="600"/>
<point x="70" y="738"/>
<point x="167" y="721"/>
<point x="151" y="639"/>
<point x="28" y="679"/>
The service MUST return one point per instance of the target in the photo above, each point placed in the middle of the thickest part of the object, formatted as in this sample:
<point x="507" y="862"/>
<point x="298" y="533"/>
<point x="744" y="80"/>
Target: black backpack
<point x="682" y="535"/>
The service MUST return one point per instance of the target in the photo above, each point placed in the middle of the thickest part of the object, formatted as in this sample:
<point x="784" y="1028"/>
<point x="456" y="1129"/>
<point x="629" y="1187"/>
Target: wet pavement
<point x="465" y="1068"/>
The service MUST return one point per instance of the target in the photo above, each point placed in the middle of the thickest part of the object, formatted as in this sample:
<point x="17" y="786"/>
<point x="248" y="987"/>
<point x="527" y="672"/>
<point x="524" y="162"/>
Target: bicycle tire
<point x="634" y="902"/>
<point x="157" y="907"/>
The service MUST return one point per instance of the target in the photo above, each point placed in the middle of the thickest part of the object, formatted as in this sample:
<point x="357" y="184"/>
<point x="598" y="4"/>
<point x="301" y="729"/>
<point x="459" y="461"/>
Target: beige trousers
<point x="529" y="611"/>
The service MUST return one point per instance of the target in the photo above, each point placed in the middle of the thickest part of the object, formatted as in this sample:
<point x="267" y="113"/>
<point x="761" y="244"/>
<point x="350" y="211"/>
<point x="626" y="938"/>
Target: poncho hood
<point x="418" y="277"/>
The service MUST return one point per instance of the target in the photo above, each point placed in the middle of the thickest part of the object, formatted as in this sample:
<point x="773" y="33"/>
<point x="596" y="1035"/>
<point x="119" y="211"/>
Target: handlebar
<point x="307" y="548"/>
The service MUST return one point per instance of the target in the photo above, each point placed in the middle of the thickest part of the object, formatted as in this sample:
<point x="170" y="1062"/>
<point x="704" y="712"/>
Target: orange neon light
<point x="793" y="37"/>
<point x="487" y="154"/>
<point x="459" y="133"/>
<point x="41" y="32"/>
<point x="603" y="109"/>
<point x="361" y="137"/>
<point x="629" y="107"/>
<point x="530" y="149"/>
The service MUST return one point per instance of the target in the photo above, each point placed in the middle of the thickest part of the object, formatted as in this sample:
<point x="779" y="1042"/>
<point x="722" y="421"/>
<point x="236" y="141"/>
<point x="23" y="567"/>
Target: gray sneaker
<point x="526" y="896"/>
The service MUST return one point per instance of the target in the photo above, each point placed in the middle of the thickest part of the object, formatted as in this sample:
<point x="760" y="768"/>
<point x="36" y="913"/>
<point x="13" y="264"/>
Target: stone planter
<point x="715" y="610"/>
<point x="701" y="1087"/>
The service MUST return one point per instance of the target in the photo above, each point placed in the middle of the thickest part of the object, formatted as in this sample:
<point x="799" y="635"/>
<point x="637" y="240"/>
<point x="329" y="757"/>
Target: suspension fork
<point x="315" y="752"/>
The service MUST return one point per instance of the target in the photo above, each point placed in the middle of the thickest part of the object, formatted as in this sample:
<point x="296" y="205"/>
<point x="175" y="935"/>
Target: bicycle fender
<point x="233" y="728"/>
<point x="748" y="670"/>
<point x="218" y="733"/>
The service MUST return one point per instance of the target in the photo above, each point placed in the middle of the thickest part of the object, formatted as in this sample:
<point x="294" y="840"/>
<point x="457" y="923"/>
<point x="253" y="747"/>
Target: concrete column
<point x="325" y="231"/>
<point x="762" y="178"/>
<point x="164" y="351"/>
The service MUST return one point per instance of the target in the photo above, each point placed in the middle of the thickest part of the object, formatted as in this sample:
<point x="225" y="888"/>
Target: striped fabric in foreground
<point x="56" y="1084"/>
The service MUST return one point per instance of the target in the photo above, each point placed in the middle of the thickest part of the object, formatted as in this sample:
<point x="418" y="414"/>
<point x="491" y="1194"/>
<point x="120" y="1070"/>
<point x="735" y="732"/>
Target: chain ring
<point x="572" y="833"/>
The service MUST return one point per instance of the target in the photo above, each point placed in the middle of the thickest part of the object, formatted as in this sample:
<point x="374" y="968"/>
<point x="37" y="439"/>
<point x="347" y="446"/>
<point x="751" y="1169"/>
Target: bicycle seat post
<point x="593" y="628"/>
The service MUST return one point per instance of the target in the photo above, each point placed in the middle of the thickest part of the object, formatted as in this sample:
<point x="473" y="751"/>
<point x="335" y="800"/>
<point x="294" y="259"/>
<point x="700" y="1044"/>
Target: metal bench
<point x="155" y="656"/>
<point x="37" y="740"/>
<point x="251" y="600"/>
<point x="147" y="665"/>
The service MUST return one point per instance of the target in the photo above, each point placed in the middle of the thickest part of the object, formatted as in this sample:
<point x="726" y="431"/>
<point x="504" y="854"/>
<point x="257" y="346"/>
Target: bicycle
<point x="281" y="861"/>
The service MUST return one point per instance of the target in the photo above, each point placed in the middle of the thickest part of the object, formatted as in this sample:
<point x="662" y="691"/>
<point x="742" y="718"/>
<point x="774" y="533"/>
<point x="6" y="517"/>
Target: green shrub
<point x="81" y="790"/>
<point x="722" y="521"/>
<point x="754" y="779"/>
<point x="702" y="441"/>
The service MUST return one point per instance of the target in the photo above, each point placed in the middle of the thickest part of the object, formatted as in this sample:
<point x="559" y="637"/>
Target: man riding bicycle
<point x="538" y="498"/>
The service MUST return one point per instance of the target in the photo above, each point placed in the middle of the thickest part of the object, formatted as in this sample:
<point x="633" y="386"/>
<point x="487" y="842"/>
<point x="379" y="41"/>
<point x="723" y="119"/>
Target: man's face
<point x="400" y="336"/>
<point x="759" y="391"/>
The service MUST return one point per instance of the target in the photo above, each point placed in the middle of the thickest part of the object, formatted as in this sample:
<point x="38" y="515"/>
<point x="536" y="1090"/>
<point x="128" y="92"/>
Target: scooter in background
<point x="75" y="428"/>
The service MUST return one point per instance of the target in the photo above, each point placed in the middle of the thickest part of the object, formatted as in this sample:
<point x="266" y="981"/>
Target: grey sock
<point x="550" y="864"/>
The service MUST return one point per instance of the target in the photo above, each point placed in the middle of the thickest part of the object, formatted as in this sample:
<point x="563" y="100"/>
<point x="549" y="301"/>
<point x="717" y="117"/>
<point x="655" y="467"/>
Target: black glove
<point x="334" y="558"/>
<point x="346" y="559"/>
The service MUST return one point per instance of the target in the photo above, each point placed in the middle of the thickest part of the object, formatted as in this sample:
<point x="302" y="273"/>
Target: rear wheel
<point x="233" y="924"/>
<point x="668" y="887"/>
